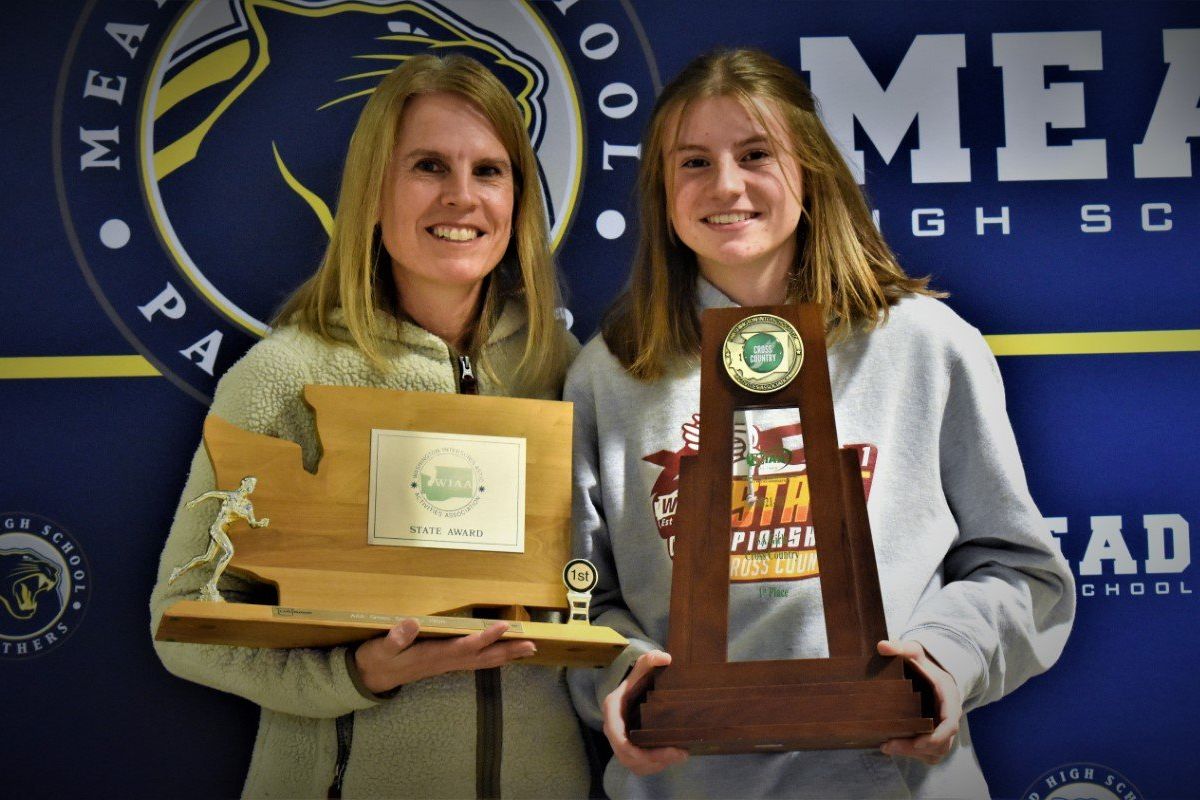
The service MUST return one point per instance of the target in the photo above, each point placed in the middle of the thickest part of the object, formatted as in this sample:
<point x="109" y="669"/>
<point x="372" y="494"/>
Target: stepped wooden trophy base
<point x="332" y="586"/>
<point x="806" y="715"/>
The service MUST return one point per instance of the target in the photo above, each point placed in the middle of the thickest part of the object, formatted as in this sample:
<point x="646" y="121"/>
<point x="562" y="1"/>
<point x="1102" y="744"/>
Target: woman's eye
<point x="488" y="171"/>
<point x="428" y="165"/>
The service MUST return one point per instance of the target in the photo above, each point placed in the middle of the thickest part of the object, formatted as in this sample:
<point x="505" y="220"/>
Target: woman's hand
<point x="928" y="747"/>
<point x="638" y="760"/>
<point x="389" y="661"/>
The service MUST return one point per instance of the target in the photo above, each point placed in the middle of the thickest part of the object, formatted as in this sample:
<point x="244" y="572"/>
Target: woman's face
<point x="447" y="205"/>
<point x="735" y="201"/>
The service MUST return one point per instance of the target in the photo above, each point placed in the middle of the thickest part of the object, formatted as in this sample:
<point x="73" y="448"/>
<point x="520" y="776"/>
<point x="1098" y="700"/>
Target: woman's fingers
<point x="397" y="658"/>
<point x="402" y="635"/>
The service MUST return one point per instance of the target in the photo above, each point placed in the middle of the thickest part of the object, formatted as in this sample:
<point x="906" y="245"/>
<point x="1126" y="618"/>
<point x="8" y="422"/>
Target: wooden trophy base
<point x="251" y="625"/>
<point x="802" y="716"/>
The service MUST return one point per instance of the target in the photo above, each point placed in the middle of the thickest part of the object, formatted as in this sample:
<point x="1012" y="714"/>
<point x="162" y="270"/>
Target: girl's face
<point x="447" y="207"/>
<point x="734" y="199"/>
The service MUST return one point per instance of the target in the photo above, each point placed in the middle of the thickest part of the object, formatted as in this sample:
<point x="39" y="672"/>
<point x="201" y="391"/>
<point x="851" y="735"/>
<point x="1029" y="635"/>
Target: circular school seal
<point x="44" y="585"/>
<point x="763" y="353"/>
<point x="1079" y="781"/>
<point x="198" y="145"/>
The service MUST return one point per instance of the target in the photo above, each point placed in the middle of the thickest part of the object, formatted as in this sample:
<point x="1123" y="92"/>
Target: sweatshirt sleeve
<point x="1007" y="601"/>
<point x="591" y="540"/>
<point x="255" y="394"/>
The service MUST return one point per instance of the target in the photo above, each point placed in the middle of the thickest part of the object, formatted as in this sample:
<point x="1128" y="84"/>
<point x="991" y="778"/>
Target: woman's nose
<point x="457" y="189"/>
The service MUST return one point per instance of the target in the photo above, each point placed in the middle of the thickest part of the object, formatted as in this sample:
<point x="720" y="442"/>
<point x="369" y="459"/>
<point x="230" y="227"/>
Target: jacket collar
<point x="709" y="296"/>
<point x="512" y="319"/>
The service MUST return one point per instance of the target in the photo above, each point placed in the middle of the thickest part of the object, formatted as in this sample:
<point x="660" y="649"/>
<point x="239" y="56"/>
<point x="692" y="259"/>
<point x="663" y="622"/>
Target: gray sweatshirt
<point x="966" y="564"/>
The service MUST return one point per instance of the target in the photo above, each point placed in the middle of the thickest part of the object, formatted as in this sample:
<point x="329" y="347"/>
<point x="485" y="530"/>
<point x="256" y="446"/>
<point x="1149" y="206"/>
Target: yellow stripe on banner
<point x="77" y="367"/>
<point x="1065" y="344"/>
<point x="1006" y="344"/>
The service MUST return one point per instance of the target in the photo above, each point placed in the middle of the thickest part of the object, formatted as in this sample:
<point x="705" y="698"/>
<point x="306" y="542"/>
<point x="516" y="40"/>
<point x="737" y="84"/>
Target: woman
<point x="746" y="201"/>
<point x="438" y="277"/>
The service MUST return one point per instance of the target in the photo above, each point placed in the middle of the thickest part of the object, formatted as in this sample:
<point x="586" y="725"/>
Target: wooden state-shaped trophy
<point x="452" y="509"/>
<point x="765" y="358"/>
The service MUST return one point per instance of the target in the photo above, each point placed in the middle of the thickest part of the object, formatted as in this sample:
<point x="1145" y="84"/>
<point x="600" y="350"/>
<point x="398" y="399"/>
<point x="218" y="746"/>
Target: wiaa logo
<point x="200" y="144"/>
<point x="44" y="585"/>
<point x="448" y="482"/>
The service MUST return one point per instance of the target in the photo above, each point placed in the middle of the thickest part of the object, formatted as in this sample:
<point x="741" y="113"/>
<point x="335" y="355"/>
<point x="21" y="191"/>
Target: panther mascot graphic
<point x="250" y="122"/>
<point x="24" y="575"/>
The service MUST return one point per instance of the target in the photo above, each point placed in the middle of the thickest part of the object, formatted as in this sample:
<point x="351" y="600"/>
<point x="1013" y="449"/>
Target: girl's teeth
<point x="455" y="234"/>
<point x="726" y="219"/>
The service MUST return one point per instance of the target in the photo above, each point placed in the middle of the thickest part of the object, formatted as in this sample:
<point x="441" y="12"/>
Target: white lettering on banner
<point x="1029" y="105"/>
<point x="1168" y="552"/>
<point x="1056" y="526"/>
<point x="981" y="221"/>
<point x="1165" y="151"/>
<point x="1095" y="218"/>
<point x="928" y="222"/>
<point x="618" y="89"/>
<point x="606" y="48"/>
<point x="1159" y="223"/>
<point x="1157" y="527"/>
<point x="924" y="89"/>
<point x="95" y="156"/>
<point x="206" y="349"/>
<point x="619" y="151"/>
<point x="618" y="100"/>
<point x="1107" y="544"/>
<point x="128" y="36"/>
<point x="97" y="85"/>
<point x="168" y="301"/>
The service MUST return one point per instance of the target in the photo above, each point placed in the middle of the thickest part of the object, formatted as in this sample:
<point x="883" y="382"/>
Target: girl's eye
<point x="694" y="163"/>
<point x="756" y="155"/>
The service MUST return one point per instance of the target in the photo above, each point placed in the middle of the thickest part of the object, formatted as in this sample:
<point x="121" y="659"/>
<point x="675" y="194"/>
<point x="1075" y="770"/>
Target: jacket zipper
<point x="487" y="689"/>
<point x="489" y="741"/>
<point x="344" y="726"/>
<point x="467" y="384"/>
<point x="489" y="708"/>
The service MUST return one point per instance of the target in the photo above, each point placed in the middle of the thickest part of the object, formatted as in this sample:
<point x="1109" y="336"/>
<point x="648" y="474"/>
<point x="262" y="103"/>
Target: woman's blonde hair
<point x="355" y="272"/>
<point x="842" y="260"/>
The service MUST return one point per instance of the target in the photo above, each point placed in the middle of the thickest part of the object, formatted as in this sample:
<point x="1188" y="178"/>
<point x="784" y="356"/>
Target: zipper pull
<point x="466" y="377"/>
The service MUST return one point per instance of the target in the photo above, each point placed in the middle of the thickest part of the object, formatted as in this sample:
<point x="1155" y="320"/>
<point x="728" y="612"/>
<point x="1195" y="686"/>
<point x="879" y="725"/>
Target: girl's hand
<point x="928" y="747"/>
<point x="638" y="760"/>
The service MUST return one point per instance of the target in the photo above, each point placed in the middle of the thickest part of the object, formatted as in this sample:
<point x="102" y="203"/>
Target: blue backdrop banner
<point x="173" y="167"/>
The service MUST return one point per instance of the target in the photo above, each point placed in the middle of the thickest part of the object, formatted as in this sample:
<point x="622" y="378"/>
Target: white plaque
<point x="447" y="490"/>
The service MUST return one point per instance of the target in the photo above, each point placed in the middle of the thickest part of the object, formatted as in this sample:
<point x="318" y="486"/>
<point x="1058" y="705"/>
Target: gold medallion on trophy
<point x="763" y="353"/>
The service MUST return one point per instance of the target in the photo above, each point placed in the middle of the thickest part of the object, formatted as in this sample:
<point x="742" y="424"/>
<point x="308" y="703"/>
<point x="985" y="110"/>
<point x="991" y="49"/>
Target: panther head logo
<point x="248" y="125"/>
<point x="23" y="576"/>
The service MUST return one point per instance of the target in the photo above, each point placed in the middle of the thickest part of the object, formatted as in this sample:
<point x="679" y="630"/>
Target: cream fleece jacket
<point x="422" y="742"/>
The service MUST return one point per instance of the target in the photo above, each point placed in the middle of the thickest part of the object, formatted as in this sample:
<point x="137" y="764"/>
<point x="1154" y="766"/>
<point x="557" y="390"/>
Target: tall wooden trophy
<point x="763" y="358"/>
<point x="452" y="509"/>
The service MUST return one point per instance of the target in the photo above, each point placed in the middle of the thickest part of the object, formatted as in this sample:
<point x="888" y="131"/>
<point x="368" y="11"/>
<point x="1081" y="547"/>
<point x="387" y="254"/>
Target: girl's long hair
<point x="842" y="260"/>
<point x="355" y="272"/>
